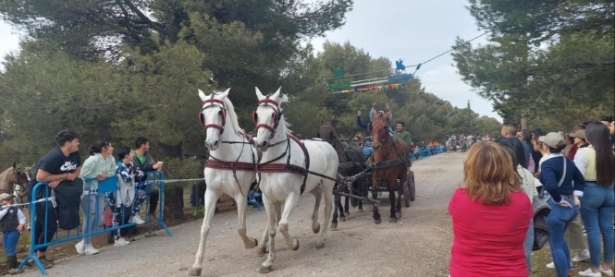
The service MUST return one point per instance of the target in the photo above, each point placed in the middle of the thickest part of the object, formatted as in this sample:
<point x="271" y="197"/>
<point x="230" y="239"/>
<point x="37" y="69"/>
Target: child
<point x="12" y="222"/>
<point x="128" y="174"/>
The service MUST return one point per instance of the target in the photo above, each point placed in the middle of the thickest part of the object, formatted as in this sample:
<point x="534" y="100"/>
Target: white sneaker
<point x="137" y="219"/>
<point x="551" y="265"/>
<point x="607" y="272"/>
<point x="80" y="247"/>
<point x="589" y="273"/>
<point x="582" y="256"/>
<point x="121" y="242"/>
<point x="90" y="250"/>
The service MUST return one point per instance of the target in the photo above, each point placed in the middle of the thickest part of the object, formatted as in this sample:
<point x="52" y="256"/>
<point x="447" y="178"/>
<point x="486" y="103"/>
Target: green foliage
<point x="147" y="83"/>
<point x="567" y="80"/>
<point x="426" y="116"/>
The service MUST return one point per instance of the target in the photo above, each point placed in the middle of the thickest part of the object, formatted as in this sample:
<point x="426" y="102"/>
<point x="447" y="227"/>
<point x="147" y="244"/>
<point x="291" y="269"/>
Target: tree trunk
<point x="523" y="122"/>
<point x="173" y="203"/>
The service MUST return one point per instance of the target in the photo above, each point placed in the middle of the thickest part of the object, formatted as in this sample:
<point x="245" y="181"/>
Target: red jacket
<point x="488" y="239"/>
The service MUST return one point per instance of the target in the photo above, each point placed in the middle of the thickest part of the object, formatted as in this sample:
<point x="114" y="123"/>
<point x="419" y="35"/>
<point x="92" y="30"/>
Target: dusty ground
<point x="418" y="245"/>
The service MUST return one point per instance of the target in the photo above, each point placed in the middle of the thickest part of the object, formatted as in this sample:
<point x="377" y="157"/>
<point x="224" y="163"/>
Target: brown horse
<point x="389" y="162"/>
<point x="14" y="181"/>
<point x="351" y="162"/>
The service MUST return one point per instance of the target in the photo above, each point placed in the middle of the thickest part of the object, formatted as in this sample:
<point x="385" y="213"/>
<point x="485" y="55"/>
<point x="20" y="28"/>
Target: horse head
<point x="13" y="175"/>
<point x="213" y="117"/>
<point x="379" y="129"/>
<point x="267" y="117"/>
<point x="327" y="132"/>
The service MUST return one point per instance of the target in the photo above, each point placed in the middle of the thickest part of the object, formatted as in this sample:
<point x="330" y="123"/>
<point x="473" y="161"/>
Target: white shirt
<point x="580" y="160"/>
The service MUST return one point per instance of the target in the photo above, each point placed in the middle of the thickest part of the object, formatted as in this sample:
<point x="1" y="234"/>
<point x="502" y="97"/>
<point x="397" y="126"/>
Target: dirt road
<point x="418" y="245"/>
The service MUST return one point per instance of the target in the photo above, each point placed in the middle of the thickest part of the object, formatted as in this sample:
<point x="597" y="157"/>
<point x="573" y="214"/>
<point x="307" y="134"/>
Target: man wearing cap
<point x="62" y="163"/>
<point x="12" y="223"/>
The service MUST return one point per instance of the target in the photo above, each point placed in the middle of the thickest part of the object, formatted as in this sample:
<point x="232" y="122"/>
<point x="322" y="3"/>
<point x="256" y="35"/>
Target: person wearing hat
<point x="574" y="235"/>
<point x="12" y="222"/>
<point x="565" y="184"/>
<point x="577" y="137"/>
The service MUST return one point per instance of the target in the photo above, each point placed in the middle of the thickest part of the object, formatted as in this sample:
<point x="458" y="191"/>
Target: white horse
<point x="230" y="168"/>
<point x="288" y="168"/>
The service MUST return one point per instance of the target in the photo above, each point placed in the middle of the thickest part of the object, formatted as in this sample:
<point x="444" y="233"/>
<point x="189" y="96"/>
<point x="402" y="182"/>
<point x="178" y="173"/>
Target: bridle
<point x="382" y="137"/>
<point x="212" y="103"/>
<point x="277" y="115"/>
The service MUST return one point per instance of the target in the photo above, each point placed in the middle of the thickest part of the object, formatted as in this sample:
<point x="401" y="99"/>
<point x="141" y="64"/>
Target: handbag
<point x="542" y="209"/>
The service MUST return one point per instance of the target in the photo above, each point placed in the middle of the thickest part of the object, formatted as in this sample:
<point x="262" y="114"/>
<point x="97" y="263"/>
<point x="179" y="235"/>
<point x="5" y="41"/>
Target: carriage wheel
<point x="411" y="185"/>
<point x="407" y="192"/>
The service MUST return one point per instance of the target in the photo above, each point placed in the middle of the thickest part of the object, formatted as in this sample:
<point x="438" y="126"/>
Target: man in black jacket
<point x="509" y="132"/>
<point x="144" y="162"/>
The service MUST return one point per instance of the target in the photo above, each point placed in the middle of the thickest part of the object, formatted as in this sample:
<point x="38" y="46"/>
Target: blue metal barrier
<point x="156" y="177"/>
<point x="49" y="204"/>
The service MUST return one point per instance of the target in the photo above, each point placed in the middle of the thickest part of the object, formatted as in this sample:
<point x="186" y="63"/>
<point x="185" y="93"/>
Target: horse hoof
<point x="261" y="252"/>
<point x="347" y="213"/>
<point x="378" y="221"/>
<point x="317" y="229"/>
<point x="295" y="244"/>
<point x="398" y="214"/>
<point x="320" y="245"/>
<point x="342" y="219"/>
<point x="255" y="241"/>
<point x="195" y="271"/>
<point x="265" y="269"/>
<point x="333" y="225"/>
<point x="392" y="220"/>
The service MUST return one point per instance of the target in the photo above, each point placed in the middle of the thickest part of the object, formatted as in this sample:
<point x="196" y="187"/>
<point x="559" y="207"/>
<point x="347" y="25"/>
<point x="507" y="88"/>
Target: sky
<point x="414" y="31"/>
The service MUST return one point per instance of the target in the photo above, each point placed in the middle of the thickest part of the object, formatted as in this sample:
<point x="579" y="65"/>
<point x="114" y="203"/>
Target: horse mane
<point x="284" y="124"/>
<point x="233" y="116"/>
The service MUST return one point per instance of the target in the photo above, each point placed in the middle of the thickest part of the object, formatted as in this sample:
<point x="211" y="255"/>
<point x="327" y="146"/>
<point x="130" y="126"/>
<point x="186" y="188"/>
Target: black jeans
<point x="40" y="229"/>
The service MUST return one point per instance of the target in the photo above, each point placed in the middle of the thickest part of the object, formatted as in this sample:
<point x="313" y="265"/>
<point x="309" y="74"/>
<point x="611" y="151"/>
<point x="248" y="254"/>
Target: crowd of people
<point x="74" y="186"/>
<point x="493" y="210"/>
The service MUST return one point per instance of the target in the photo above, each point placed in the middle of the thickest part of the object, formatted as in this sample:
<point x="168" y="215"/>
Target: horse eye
<point x="220" y="112"/>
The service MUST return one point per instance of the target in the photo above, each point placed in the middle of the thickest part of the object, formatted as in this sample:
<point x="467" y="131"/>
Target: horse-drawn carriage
<point x="358" y="175"/>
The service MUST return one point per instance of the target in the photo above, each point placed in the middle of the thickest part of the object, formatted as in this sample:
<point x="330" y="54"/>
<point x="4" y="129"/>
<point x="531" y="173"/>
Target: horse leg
<point x="211" y="197"/>
<point x="338" y="206"/>
<point x="242" y="203"/>
<point x="262" y="247"/>
<point x="347" y="206"/>
<point x="289" y="206"/>
<point x="317" y="192"/>
<point x="400" y="190"/>
<point x="328" y="206"/>
<point x="361" y="192"/>
<point x="335" y="215"/>
<point x="391" y="186"/>
<point x="26" y="213"/>
<point x="270" y="209"/>
<point x="377" y="218"/>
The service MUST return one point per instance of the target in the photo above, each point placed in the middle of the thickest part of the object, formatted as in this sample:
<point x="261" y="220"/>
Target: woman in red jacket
<point x="491" y="216"/>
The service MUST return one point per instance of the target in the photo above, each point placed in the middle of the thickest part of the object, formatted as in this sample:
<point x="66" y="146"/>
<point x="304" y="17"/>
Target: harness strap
<point x="269" y="166"/>
<point x="216" y="163"/>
